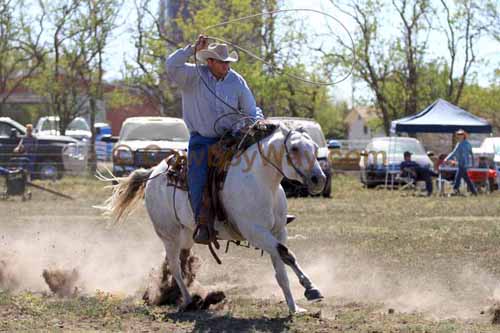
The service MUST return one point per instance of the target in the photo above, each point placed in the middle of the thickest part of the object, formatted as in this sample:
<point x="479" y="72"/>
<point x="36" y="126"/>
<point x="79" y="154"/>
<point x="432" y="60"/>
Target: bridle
<point x="288" y="158"/>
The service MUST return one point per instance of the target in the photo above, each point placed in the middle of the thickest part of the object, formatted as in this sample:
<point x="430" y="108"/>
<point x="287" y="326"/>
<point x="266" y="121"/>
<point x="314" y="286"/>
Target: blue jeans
<point x="462" y="173"/>
<point x="198" y="169"/>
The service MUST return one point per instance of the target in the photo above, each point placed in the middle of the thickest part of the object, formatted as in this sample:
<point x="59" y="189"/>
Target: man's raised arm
<point x="178" y="70"/>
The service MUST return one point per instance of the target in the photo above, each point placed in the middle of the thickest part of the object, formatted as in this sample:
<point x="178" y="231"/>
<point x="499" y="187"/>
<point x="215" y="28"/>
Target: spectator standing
<point x="28" y="147"/>
<point x="462" y="154"/>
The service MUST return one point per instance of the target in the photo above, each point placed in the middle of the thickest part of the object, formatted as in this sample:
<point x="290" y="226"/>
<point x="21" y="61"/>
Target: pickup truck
<point x="146" y="141"/>
<point x="54" y="155"/>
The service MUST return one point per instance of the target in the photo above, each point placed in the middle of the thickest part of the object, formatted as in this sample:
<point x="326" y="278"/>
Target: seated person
<point x="413" y="170"/>
<point x="484" y="163"/>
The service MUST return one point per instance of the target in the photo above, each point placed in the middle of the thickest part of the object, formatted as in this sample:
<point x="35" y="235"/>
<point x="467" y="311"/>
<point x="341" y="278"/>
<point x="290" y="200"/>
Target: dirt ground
<point x="385" y="262"/>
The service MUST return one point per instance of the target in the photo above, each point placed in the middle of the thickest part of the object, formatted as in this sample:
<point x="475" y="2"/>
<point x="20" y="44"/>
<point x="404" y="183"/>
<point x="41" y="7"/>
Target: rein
<point x="287" y="153"/>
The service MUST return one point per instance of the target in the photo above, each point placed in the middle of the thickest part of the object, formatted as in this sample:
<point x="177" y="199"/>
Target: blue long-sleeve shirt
<point x="462" y="153"/>
<point x="200" y="108"/>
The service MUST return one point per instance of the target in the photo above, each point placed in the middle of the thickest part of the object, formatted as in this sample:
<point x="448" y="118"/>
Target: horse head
<point x="301" y="160"/>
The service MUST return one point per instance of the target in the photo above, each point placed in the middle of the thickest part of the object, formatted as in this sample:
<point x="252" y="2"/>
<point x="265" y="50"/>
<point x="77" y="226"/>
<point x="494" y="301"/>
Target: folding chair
<point x="406" y="183"/>
<point x="445" y="180"/>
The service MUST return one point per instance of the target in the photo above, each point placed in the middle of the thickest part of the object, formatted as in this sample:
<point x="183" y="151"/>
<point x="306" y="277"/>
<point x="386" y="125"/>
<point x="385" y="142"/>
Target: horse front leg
<point x="262" y="238"/>
<point x="282" y="278"/>
<point x="311" y="292"/>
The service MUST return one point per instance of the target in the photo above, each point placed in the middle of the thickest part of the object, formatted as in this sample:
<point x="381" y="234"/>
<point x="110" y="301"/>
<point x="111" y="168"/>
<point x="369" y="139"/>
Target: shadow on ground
<point x="209" y="322"/>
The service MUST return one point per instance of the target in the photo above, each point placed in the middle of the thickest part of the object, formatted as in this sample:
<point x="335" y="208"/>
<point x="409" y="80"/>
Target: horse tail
<point x="127" y="193"/>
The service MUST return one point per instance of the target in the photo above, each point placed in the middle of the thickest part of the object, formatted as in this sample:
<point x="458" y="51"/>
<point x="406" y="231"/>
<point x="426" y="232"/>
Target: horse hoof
<point x="313" y="294"/>
<point x="298" y="311"/>
<point x="195" y="304"/>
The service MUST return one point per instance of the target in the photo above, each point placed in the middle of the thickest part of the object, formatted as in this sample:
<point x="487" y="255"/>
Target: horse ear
<point x="269" y="127"/>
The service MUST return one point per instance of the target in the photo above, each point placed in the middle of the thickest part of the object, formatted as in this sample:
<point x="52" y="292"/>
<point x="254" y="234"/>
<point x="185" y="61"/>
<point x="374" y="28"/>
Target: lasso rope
<point x="228" y="22"/>
<point x="345" y="77"/>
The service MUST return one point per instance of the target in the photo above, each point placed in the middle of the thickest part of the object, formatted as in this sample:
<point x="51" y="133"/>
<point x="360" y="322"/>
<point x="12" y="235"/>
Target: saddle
<point x="219" y="161"/>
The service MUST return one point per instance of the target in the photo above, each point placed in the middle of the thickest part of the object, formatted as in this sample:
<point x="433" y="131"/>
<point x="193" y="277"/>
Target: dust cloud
<point x="438" y="293"/>
<point x="86" y="257"/>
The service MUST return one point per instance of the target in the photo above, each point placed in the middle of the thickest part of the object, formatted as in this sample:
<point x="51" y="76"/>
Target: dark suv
<point x="54" y="155"/>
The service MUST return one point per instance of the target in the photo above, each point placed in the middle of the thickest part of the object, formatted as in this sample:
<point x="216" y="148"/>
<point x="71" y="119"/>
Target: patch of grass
<point x="369" y="250"/>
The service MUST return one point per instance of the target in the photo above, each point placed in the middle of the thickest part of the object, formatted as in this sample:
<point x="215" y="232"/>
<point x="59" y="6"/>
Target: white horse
<point x="253" y="199"/>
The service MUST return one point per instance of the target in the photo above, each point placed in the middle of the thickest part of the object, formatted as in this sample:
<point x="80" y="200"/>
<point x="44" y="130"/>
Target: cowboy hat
<point x="216" y="51"/>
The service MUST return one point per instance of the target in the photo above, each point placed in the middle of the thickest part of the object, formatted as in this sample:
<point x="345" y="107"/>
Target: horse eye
<point x="295" y="149"/>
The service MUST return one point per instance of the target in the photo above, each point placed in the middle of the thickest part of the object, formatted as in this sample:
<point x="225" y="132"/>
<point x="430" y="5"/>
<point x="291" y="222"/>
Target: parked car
<point x="54" y="155"/>
<point x="145" y="141"/>
<point x="334" y="144"/>
<point x="77" y="128"/>
<point x="385" y="154"/>
<point x="490" y="148"/>
<point x="311" y="127"/>
<point x="103" y="150"/>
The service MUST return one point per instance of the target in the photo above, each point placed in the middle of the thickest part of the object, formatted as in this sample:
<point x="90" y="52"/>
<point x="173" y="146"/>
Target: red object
<point x="481" y="176"/>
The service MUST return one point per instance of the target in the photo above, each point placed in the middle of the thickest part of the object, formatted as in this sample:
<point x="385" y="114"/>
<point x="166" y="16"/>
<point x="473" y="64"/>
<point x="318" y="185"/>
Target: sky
<point x="121" y="47"/>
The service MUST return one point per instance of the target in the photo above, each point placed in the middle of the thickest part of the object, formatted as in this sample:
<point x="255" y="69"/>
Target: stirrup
<point x="210" y="237"/>
<point x="197" y="234"/>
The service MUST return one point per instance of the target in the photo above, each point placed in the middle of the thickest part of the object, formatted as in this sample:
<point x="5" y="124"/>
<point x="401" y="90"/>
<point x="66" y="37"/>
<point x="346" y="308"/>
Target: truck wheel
<point x="48" y="170"/>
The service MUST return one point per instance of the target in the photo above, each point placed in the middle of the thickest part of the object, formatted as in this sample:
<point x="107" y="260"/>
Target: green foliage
<point x="20" y="49"/>
<point x="391" y="45"/>
<point x="483" y="101"/>
<point x="120" y="97"/>
<point x="331" y="118"/>
<point x="275" y="92"/>
<point x="146" y="71"/>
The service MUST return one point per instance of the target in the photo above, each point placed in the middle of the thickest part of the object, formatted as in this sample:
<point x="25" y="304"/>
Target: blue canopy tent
<point x="440" y="117"/>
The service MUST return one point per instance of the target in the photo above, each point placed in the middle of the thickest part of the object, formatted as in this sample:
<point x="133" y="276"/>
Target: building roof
<point x="366" y="113"/>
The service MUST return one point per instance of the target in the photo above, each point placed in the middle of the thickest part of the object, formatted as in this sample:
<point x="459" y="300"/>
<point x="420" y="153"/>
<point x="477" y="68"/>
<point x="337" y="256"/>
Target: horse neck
<point x="272" y="149"/>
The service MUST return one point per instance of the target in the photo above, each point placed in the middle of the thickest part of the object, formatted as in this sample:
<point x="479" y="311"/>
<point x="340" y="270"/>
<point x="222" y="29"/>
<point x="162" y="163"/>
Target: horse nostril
<point x="314" y="179"/>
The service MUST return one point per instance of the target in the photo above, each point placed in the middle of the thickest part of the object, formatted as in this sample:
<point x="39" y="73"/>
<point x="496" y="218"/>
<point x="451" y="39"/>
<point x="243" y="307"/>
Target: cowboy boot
<point x="204" y="233"/>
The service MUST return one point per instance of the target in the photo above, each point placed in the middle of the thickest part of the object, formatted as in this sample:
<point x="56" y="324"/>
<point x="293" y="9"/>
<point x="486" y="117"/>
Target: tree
<point x="59" y="79"/>
<point x="147" y="71"/>
<point x="389" y="66"/>
<point x="21" y="48"/>
<point x="483" y="101"/>
<point x="397" y="66"/>
<point x="462" y="32"/>
<point x="99" y="18"/>
<point x="493" y="19"/>
<point x="276" y="93"/>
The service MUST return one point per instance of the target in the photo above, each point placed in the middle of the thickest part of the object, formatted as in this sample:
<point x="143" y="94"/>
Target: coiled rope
<point x="251" y="54"/>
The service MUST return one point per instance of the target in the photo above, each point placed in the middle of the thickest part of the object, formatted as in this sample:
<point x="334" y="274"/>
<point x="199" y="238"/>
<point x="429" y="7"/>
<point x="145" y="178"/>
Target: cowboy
<point x="214" y="99"/>
<point x="462" y="153"/>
